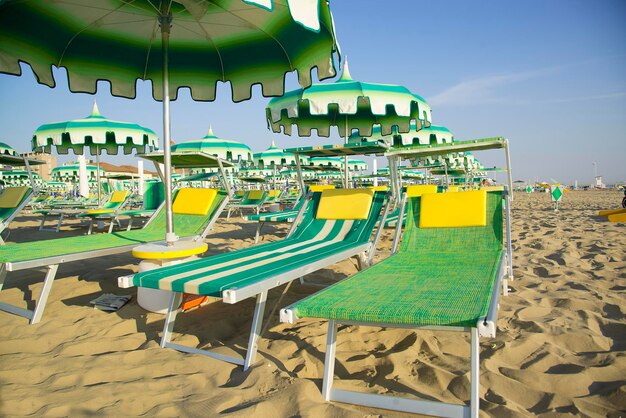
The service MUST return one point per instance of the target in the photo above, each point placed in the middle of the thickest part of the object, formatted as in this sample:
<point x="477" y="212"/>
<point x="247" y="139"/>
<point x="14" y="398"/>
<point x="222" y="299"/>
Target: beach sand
<point x="560" y="348"/>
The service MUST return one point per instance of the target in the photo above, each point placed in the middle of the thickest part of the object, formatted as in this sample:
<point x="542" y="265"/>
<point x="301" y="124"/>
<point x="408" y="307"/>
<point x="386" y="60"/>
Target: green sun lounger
<point x="12" y="201"/>
<point x="252" y="199"/>
<point x="51" y="253"/>
<point x="333" y="226"/>
<point x="116" y="201"/>
<point x="283" y="216"/>
<point x="447" y="275"/>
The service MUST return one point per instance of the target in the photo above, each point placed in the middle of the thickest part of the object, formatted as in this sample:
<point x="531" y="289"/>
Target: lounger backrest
<point x="345" y="204"/>
<point x="360" y="229"/>
<point x="194" y="201"/>
<point x="11" y="197"/>
<point x="273" y="194"/>
<point x="321" y="187"/>
<point x="420" y="189"/>
<point x="454" y="239"/>
<point x="447" y="210"/>
<point x="119" y="196"/>
<point x="187" y="224"/>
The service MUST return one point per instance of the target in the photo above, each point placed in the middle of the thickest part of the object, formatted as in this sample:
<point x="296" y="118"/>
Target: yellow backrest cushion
<point x="492" y="188"/>
<point x="194" y="201"/>
<point x="420" y="189"/>
<point x="273" y="193"/>
<point x="119" y="196"/>
<point x="321" y="187"/>
<point x="453" y="188"/>
<point x="255" y="194"/>
<point x="345" y="204"/>
<point x="379" y="188"/>
<point x="240" y="193"/>
<point x="12" y="196"/>
<point x="446" y="210"/>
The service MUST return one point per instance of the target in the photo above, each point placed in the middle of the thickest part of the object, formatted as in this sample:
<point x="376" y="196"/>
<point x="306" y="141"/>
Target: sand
<point x="560" y="349"/>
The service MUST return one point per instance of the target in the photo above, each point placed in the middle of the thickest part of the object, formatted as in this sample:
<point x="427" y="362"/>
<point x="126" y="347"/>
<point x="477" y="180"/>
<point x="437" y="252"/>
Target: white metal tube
<point x="508" y="168"/>
<point x="98" y="172"/>
<point x="166" y="20"/>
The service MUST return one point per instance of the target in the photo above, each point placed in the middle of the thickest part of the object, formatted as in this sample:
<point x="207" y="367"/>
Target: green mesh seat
<point x="445" y="277"/>
<point x="234" y="276"/>
<point x="52" y="252"/>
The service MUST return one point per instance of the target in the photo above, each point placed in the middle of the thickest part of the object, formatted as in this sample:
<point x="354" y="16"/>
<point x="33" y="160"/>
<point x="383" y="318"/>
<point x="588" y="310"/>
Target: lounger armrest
<point x="288" y="315"/>
<point x="125" y="281"/>
<point x="487" y="326"/>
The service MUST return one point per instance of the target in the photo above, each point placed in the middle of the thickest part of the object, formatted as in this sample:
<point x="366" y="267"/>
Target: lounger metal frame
<point x="52" y="264"/>
<point x="485" y="327"/>
<point x="260" y="290"/>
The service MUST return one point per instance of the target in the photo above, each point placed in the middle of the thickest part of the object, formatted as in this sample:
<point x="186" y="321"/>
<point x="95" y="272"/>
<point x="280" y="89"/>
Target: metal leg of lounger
<point x="474" y="374"/>
<point x="329" y="360"/>
<point x="45" y="292"/>
<point x="59" y="223"/>
<point x="112" y="223"/>
<point x="90" y="230"/>
<point x="130" y="223"/>
<point x="43" y="221"/>
<point x="175" y="304"/>
<point x="257" y="320"/>
<point x="258" y="232"/>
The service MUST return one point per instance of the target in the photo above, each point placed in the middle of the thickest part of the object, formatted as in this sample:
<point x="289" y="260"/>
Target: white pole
<point x="375" y="171"/>
<point x="140" y="189"/>
<point x="165" y="19"/>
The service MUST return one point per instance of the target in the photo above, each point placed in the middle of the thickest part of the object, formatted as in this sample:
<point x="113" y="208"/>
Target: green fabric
<point x="439" y="277"/>
<point x="185" y="226"/>
<point x="211" y="41"/>
<point x="313" y="240"/>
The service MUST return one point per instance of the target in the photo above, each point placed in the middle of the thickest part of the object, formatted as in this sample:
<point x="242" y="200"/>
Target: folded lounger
<point x="446" y="276"/>
<point x="332" y="226"/>
<point x="12" y="201"/>
<point x="108" y="212"/>
<point x="252" y="199"/>
<point x="284" y="216"/>
<point x="115" y="202"/>
<point x="195" y="212"/>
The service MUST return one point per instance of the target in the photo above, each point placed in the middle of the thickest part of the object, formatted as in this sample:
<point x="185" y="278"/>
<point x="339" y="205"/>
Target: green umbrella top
<point x="226" y="149"/>
<point x="96" y="132"/>
<point x="274" y="156"/>
<point x="6" y="149"/>
<point x="211" y="41"/>
<point x="431" y="135"/>
<point x="348" y="103"/>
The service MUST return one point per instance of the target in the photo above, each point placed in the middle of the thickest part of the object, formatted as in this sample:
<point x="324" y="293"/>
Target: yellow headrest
<point x="240" y="193"/>
<point x="492" y="188"/>
<point x="453" y="188"/>
<point x="255" y="194"/>
<point x="446" y="210"/>
<point x="194" y="201"/>
<point x="274" y="193"/>
<point x="420" y="189"/>
<point x="321" y="187"/>
<point x="12" y="196"/>
<point x="100" y="211"/>
<point x="119" y="196"/>
<point x="345" y="204"/>
<point x="379" y="188"/>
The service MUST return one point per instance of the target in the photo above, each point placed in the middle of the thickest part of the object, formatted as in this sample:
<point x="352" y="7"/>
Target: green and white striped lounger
<point x="321" y="237"/>
<point x="444" y="277"/>
<point x="284" y="216"/>
<point x="51" y="253"/>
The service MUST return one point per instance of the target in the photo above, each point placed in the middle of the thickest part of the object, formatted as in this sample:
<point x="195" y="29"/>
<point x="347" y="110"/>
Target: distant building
<point x="44" y="170"/>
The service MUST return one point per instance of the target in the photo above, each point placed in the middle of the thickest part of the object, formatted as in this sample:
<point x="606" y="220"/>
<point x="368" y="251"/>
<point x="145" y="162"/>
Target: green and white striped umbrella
<point x="226" y="149"/>
<point x="349" y="105"/>
<point x="426" y="136"/>
<point x="202" y="42"/>
<point x="274" y="156"/>
<point x="96" y="133"/>
<point x="6" y="149"/>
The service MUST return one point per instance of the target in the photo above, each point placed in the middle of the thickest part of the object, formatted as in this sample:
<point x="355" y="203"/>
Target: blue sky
<point x="548" y="75"/>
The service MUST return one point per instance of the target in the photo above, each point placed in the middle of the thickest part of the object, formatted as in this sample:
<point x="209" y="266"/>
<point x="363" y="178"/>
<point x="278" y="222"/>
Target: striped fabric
<point x="312" y="241"/>
<point x="282" y="216"/>
<point x="186" y="226"/>
<point x="439" y="277"/>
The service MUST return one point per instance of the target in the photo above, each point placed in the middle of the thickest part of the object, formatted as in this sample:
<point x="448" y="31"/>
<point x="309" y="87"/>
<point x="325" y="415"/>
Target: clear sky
<point x="548" y="75"/>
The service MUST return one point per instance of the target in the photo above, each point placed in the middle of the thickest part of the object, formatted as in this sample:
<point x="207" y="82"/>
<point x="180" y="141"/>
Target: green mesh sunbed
<point x="234" y="276"/>
<point x="51" y="253"/>
<point x="444" y="278"/>
<point x="284" y="216"/>
<point x="252" y="199"/>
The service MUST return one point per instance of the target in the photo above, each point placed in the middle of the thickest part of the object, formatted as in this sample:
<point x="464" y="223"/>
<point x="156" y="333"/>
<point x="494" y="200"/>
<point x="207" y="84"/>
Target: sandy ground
<point x="560" y="348"/>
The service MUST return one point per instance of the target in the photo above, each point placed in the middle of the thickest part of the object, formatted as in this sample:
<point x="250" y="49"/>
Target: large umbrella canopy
<point x="431" y="135"/>
<point x="70" y="172"/>
<point x="6" y="149"/>
<point x="349" y="105"/>
<point x="226" y="149"/>
<point x="95" y="132"/>
<point x="274" y="156"/>
<point x="243" y="42"/>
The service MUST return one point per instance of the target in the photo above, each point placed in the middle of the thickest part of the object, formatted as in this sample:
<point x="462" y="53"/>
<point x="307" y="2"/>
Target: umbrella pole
<point x="165" y="19"/>
<point x="345" y="160"/>
<point x="300" y="179"/>
<point x="98" y="172"/>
